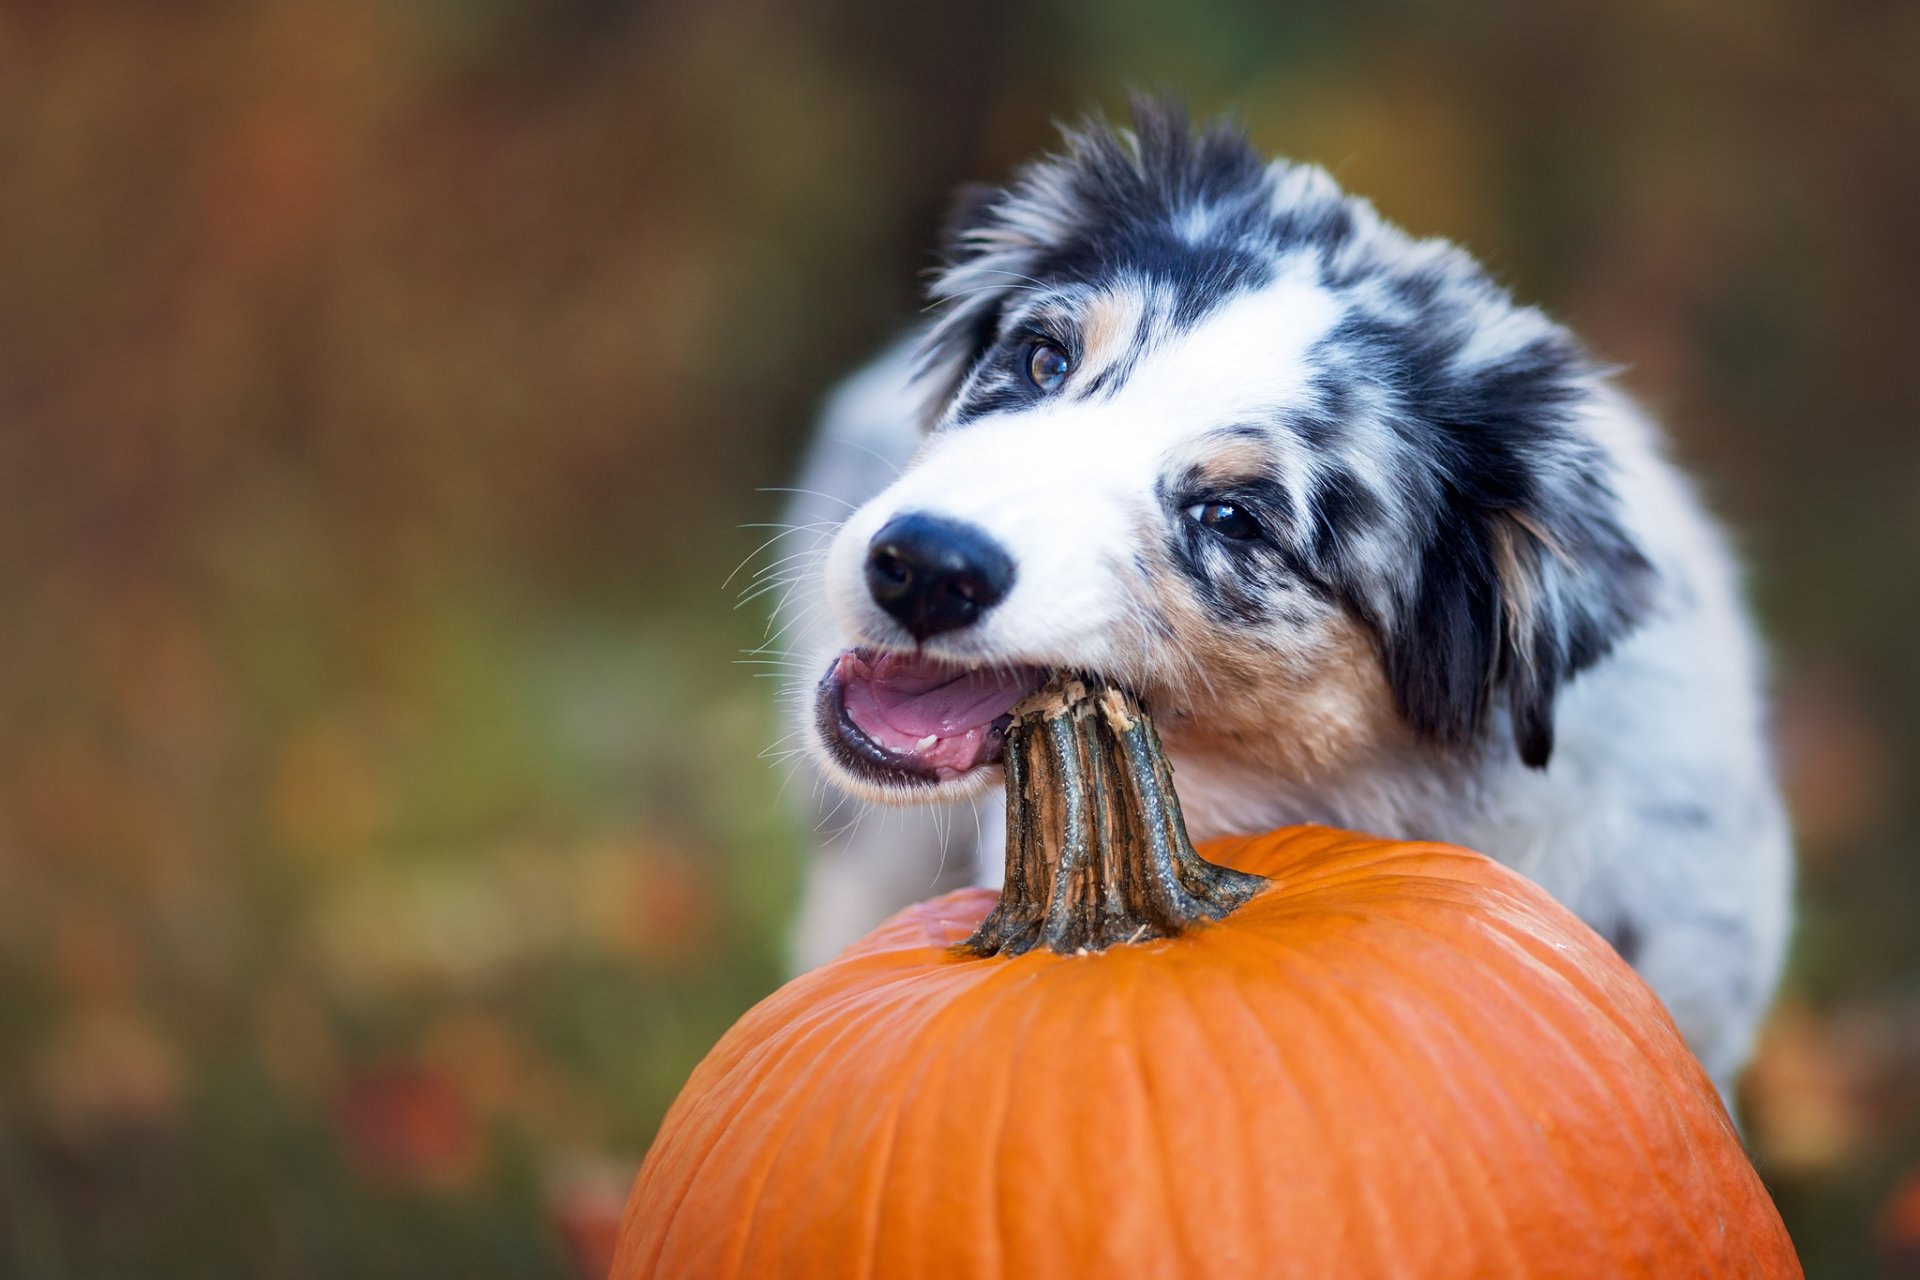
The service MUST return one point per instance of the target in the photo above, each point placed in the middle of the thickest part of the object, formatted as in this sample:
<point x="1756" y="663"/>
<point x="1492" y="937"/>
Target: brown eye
<point x="1047" y="365"/>
<point x="1225" y="519"/>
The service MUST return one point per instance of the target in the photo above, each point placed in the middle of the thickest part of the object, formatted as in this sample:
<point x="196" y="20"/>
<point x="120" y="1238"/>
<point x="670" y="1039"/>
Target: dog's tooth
<point x="926" y="742"/>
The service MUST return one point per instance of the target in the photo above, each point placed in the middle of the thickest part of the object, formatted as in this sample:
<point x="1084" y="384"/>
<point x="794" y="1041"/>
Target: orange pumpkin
<point x="1394" y="1059"/>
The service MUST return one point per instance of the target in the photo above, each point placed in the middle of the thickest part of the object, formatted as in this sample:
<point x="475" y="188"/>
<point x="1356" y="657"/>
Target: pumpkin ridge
<point x="1344" y="1004"/>
<point x="974" y="1000"/>
<point x="796" y="1113"/>
<point x="1224" y="993"/>
<point x="782" y="1025"/>
<point x="1446" y="1010"/>
<point x="1284" y="1068"/>
<point x="1600" y="1019"/>
<point x="1364" y="887"/>
<point x="993" y="1200"/>
<point x="1315" y="848"/>
<point x="1440" y="1011"/>
<point x="1320" y="1090"/>
<point x="663" y="1156"/>
<point x="867" y="1250"/>
<point x="1153" y="1129"/>
<point x="847" y="1011"/>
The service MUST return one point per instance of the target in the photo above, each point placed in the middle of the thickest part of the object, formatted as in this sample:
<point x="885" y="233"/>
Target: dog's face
<point x="1209" y="428"/>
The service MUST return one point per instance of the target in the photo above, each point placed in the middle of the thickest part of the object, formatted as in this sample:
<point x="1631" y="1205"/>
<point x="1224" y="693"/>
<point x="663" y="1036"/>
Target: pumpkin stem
<point x="1097" y="853"/>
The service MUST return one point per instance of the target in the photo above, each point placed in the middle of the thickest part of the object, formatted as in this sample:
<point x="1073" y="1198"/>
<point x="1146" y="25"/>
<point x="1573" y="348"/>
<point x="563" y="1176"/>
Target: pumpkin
<point x="1311" y="1053"/>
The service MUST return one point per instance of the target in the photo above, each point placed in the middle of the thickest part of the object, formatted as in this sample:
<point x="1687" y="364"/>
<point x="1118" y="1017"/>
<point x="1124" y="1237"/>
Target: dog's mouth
<point x="904" y="719"/>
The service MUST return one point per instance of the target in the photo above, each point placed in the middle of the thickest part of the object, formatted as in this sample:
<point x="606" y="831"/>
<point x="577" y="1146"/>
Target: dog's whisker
<point x="775" y="759"/>
<point x="772" y="579"/>
<point x="758" y="589"/>
<point x="1015" y="275"/>
<point x="942" y="832"/>
<point x="774" y="747"/>
<point x="786" y="531"/>
<point x="845" y="797"/>
<point x="813" y="555"/>
<point x="810" y="493"/>
<point x="800" y="619"/>
<point x="794" y="579"/>
<point x="882" y="458"/>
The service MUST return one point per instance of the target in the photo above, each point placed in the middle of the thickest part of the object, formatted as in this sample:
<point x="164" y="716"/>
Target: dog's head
<point x="1209" y="427"/>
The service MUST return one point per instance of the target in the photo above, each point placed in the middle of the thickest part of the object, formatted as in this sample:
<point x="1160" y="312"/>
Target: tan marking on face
<point x="1303" y="708"/>
<point x="1108" y="324"/>
<point x="1306" y="716"/>
<point x="1233" y="459"/>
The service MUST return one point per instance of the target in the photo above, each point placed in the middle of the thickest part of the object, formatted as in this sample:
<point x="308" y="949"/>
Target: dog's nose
<point x="934" y="574"/>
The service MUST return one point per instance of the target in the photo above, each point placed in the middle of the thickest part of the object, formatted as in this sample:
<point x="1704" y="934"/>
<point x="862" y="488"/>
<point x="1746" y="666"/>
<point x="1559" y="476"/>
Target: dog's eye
<point x="1225" y="519"/>
<point x="1047" y="365"/>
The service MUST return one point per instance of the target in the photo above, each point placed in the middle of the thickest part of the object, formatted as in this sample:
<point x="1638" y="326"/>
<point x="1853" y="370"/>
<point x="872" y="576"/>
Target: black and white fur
<point x="1480" y="607"/>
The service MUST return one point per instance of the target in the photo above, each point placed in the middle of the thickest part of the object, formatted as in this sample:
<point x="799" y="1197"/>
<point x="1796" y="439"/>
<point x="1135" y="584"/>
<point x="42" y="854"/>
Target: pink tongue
<point x="900" y="700"/>
<point x="919" y="696"/>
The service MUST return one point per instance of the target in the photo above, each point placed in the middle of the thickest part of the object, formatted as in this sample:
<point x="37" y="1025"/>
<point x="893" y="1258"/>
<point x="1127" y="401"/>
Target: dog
<point x="1381" y="548"/>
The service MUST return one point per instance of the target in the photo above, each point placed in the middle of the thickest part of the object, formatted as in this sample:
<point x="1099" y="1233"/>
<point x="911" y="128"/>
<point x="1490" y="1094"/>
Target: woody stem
<point x="1097" y="853"/>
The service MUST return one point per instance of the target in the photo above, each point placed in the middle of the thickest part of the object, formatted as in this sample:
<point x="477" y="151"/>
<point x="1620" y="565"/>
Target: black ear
<point x="1527" y="575"/>
<point x="1572" y="584"/>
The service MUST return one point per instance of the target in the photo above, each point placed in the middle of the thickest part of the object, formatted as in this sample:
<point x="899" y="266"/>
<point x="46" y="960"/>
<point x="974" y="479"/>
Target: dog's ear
<point x="1527" y="575"/>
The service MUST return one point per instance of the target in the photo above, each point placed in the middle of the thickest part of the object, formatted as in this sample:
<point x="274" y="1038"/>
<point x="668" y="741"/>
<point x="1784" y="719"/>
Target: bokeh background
<point x="383" y="388"/>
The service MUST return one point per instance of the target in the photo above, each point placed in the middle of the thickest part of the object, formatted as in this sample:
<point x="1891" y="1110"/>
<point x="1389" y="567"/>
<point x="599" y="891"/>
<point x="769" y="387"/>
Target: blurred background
<point x="383" y="391"/>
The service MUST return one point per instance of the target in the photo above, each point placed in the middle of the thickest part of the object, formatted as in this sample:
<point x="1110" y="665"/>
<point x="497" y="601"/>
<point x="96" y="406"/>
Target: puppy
<point x="1382" y="549"/>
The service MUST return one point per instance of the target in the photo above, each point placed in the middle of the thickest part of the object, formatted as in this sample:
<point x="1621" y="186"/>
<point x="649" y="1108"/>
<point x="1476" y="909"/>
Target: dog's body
<point x="1379" y="547"/>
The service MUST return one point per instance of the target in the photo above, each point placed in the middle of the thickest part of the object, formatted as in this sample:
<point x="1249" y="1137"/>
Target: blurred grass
<point x="382" y="836"/>
<point x="455" y="939"/>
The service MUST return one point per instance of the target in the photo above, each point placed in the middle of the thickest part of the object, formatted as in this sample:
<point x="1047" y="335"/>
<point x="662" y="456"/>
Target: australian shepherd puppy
<point x="1380" y="547"/>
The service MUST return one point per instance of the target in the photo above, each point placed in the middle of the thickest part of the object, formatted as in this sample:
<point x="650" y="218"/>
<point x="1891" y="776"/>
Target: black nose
<point x="934" y="575"/>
